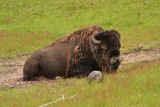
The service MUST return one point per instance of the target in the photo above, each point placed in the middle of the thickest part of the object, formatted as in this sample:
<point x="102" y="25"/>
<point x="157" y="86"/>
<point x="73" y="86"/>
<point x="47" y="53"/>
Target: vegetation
<point x="132" y="86"/>
<point x="26" y="26"/>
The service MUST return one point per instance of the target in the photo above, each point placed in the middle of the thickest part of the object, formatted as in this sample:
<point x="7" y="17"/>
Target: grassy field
<point x="26" y="26"/>
<point x="132" y="86"/>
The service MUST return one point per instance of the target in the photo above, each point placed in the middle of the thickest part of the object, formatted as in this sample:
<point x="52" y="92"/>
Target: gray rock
<point x="58" y="78"/>
<point x="95" y="76"/>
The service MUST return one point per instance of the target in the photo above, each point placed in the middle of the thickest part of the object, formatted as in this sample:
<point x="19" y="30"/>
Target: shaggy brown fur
<point x="69" y="54"/>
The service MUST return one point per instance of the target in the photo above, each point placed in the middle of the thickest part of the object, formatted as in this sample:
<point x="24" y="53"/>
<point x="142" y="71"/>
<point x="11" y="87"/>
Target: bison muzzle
<point x="82" y="51"/>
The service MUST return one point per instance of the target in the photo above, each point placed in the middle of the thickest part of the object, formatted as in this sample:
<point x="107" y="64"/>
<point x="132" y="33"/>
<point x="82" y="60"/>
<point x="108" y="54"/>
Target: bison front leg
<point x="82" y="71"/>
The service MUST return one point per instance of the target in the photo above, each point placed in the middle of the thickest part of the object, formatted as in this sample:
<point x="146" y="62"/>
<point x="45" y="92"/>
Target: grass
<point x="11" y="46"/>
<point x="28" y="25"/>
<point x="24" y="24"/>
<point x="135" y="85"/>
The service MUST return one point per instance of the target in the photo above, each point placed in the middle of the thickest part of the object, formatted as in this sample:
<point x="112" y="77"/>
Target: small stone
<point x="58" y="78"/>
<point x="11" y="86"/>
<point x="95" y="76"/>
<point x="7" y="84"/>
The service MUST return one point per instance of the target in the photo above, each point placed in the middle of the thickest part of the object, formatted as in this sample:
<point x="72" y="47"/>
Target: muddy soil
<point x="11" y="70"/>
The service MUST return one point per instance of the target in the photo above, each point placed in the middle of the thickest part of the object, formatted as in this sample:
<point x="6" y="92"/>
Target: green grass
<point x="28" y="25"/>
<point x="25" y="24"/>
<point x="135" y="85"/>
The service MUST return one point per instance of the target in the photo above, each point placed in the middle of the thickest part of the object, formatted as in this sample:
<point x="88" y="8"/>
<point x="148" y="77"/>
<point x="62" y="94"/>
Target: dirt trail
<point x="11" y="70"/>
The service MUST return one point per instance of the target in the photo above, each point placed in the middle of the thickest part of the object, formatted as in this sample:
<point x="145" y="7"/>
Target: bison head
<point x="105" y="47"/>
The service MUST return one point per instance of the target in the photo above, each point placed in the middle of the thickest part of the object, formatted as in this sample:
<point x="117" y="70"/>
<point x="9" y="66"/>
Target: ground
<point x="11" y="69"/>
<point x="136" y="84"/>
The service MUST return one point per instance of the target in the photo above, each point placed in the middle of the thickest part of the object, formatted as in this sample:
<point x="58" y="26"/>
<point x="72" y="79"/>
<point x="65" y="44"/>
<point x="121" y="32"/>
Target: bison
<point x="79" y="53"/>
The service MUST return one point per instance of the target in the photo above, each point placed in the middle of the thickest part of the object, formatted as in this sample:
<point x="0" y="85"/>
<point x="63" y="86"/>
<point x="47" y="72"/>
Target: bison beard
<point x="79" y="53"/>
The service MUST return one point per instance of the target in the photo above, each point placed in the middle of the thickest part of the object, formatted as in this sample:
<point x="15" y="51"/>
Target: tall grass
<point x="137" y="21"/>
<point x="16" y="44"/>
<point x="135" y="85"/>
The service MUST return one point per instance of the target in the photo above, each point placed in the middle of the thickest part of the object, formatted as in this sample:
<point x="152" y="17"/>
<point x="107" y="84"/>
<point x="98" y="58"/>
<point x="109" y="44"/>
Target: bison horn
<point x="97" y="42"/>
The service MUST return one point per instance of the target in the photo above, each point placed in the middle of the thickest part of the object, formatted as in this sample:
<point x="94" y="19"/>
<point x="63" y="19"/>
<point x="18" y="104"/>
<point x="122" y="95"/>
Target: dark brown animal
<point x="79" y="53"/>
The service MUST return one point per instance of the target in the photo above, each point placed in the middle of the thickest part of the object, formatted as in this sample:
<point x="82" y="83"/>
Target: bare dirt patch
<point x="11" y="70"/>
<point x="141" y="56"/>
